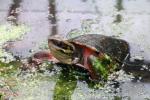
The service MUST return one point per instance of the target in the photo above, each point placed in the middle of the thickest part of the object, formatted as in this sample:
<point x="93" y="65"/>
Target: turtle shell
<point x="115" y="48"/>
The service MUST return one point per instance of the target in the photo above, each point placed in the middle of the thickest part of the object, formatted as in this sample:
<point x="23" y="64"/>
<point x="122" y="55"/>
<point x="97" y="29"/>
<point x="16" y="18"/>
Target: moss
<point x="103" y="66"/>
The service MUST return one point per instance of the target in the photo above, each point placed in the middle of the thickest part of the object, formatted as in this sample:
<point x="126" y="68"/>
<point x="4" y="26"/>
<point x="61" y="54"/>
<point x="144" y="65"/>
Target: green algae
<point x="103" y="66"/>
<point x="65" y="86"/>
<point x="9" y="66"/>
<point x="35" y="86"/>
<point x="9" y="32"/>
<point x="117" y="98"/>
<point x="26" y="84"/>
<point x="1" y="96"/>
<point x="7" y="69"/>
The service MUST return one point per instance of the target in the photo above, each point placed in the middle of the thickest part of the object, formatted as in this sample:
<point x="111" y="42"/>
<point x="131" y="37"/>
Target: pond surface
<point x="126" y="19"/>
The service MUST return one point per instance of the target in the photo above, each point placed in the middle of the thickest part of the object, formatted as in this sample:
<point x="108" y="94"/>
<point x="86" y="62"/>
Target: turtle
<point x="81" y="50"/>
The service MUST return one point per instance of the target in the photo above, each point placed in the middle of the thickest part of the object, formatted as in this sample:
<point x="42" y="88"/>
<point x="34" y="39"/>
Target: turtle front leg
<point x="41" y="56"/>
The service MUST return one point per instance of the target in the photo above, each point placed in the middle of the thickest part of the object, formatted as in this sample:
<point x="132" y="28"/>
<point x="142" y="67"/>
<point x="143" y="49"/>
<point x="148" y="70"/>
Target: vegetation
<point x="103" y="66"/>
<point x="65" y="85"/>
<point x="10" y="32"/>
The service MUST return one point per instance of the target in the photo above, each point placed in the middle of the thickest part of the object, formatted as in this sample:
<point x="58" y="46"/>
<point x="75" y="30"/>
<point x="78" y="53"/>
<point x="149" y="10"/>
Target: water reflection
<point x="118" y="19"/>
<point x="14" y="11"/>
<point x="52" y="17"/>
<point x="119" y="7"/>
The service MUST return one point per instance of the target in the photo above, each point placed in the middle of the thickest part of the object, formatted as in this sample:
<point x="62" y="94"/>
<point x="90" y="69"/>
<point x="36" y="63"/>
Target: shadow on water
<point x="13" y="11"/>
<point x="118" y="19"/>
<point x="140" y="70"/>
<point x="52" y="17"/>
<point x="119" y="7"/>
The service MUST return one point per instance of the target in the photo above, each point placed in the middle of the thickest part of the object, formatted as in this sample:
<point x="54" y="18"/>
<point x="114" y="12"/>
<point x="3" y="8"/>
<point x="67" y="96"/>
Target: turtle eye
<point x="62" y="45"/>
<point x="58" y="43"/>
<point x="65" y="52"/>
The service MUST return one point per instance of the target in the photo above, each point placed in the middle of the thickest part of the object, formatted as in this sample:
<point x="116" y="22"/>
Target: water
<point x="126" y="19"/>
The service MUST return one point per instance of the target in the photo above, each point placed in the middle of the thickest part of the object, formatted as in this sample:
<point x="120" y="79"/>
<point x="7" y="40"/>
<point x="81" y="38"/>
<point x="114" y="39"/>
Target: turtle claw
<point x="82" y="66"/>
<point x="76" y="60"/>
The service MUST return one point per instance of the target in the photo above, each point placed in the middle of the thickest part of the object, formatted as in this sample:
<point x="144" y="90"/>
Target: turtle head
<point x="61" y="49"/>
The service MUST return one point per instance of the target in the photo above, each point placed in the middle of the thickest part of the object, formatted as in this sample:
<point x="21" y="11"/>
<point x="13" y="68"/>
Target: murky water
<point x="126" y="19"/>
